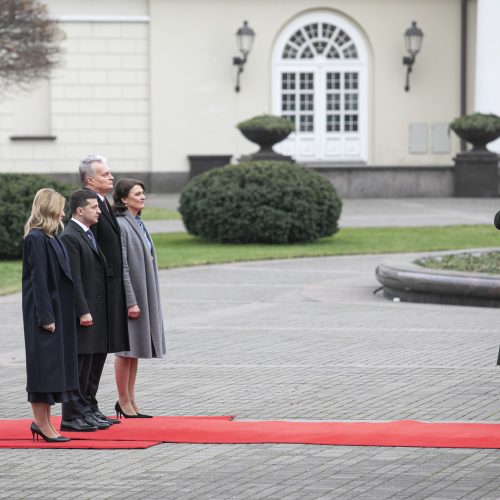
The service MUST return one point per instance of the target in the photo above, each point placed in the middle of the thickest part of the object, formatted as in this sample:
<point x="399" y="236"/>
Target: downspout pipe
<point x="463" y="64"/>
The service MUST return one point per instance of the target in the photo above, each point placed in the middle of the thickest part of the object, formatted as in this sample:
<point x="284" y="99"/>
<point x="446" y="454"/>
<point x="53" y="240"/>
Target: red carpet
<point x="142" y="433"/>
<point x="17" y="434"/>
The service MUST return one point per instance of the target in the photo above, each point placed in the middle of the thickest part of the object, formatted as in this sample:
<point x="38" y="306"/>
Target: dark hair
<point x="122" y="189"/>
<point x="80" y="199"/>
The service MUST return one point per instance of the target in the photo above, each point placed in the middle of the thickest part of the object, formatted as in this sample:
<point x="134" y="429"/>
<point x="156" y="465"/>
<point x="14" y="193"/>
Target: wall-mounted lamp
<point x="413" y="41"/>
<point x="244" y="41"/>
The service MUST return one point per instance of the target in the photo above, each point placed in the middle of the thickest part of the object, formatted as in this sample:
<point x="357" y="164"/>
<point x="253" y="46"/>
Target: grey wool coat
<point x="140" y="278"/>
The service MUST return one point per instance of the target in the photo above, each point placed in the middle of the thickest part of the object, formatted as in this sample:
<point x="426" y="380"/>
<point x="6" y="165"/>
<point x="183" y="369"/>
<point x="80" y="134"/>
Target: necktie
<point x="91" y="237"/>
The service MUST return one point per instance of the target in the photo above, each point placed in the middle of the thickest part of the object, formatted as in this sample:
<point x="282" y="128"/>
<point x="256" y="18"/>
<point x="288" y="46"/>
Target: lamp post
<point x="244" y="41"/>
<point x="413" y="42"/>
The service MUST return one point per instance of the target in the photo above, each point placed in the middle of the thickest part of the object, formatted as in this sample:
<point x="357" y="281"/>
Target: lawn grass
<point x="467" y="262"/>
<point x="10" y="276"/>
<point x="181" y="249"/>
<point x="152" y="213"/>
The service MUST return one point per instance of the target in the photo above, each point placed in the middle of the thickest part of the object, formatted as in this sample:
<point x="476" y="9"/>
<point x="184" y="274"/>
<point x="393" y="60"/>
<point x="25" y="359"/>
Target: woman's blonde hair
<point x="45" y="212"/>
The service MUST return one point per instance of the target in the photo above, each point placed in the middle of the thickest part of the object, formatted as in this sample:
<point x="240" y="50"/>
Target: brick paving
<point x="291" y="339"/>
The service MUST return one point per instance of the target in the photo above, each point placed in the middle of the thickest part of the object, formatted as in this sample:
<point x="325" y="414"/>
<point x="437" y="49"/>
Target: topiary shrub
<point x="266" y="131"/>
<point x="488" y="122"/>
<point x="260" y="202"/>
<point x="271" y="123"/>
<point x="16" y="198"/>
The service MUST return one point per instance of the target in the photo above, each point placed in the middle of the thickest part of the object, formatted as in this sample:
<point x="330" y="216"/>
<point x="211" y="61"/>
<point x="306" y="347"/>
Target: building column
<point x="487" y="76"/>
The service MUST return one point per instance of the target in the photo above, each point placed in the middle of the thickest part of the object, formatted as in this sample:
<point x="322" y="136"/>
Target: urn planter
<point x="476" y="171"/>
<point x="478" y="138"/>
<point x="266" y="131"/>
<point x="476" y="174"/>
<point x="198" y="164"/>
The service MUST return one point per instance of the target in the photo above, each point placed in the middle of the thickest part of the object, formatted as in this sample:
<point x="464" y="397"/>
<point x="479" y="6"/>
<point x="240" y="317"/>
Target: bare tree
<point x="29" y="43"/>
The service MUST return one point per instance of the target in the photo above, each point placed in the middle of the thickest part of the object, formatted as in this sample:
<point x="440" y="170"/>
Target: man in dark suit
<point x="96" y="176"/>
<point x="88" y="269"/>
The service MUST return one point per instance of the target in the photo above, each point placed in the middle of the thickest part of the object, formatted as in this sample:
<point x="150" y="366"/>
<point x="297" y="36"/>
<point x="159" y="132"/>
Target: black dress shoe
<point x="77" y="425"/>
<point x="100" y="416"/>
<point x="91" y="420"/>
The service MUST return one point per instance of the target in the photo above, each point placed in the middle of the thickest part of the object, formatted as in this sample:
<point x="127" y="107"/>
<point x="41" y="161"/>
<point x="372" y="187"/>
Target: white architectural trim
<point x="487" y="96"/>
<point x="101" y="19"/>
<point x="360" y="64"/>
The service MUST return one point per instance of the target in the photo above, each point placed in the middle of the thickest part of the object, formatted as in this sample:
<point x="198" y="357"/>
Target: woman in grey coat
<point x="142" y="293"/>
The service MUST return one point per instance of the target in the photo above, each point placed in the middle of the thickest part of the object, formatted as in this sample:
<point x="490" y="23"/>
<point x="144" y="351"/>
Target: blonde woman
<point x="48" y="314"/>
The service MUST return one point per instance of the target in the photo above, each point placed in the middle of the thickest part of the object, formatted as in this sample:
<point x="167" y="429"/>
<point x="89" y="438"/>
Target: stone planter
<point x="199" y="164"/>
<point x="476" y="174"/>
<point x="478" y="138"/>
<point x="408" y="282"/>
<point x="266" y="139"/>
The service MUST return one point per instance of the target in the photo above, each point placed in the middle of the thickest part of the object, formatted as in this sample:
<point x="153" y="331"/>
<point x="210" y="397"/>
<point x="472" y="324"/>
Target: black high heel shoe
<point x="120" y="413"/>
<point x="143" y="415"/>
<point x="36" y="430"/>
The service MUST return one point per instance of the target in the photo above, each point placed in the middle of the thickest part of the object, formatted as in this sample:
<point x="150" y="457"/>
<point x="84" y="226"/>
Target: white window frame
<point x="314" y="145"/>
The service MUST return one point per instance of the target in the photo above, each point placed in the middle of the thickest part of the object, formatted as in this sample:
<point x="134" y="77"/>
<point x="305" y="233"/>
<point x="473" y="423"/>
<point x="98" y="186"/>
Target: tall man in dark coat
<point x="88" y="269"/>
<point x="96" y="176"/>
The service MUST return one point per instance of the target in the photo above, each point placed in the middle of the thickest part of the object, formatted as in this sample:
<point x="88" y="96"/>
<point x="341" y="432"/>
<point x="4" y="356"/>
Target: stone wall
<point x="98" y="102"/>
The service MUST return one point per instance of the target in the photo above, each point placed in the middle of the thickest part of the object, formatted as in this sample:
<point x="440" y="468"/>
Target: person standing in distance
<point x="89" y="272"/>
<point x="48" y="314"/>
<point x="96" y="176"/>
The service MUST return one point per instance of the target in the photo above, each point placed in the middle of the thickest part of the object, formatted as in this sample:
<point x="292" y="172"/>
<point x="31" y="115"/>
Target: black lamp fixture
<point x="413" y="41"/>
<point x="244" y="41"/>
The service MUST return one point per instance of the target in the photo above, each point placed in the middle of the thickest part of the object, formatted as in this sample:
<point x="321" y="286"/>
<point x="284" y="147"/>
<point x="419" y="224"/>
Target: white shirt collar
<point x="83" y="226"/>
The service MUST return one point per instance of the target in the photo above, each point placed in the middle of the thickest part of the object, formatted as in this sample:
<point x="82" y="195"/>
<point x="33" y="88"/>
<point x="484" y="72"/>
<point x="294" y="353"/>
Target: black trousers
<point x="81" y="404"/>
<point x="98" y="361"/>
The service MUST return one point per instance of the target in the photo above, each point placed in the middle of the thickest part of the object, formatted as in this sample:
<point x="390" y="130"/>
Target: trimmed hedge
<point x="260" y="202"/>
<point x="16" y="198"/>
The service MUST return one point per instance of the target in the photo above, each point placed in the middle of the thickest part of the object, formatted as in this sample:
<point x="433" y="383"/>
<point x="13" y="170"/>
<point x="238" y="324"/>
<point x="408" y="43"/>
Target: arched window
<point x="320" y="83"/>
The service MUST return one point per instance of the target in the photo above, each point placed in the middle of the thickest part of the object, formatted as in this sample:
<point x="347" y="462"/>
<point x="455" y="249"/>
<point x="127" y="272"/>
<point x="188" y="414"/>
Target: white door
<point x="320" y="83"/>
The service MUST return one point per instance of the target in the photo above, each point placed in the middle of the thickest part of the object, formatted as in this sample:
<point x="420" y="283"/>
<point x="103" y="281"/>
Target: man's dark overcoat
<point x="88" y="268"/>
<point x="107" y="234"/>
<point x="51" y="358"/>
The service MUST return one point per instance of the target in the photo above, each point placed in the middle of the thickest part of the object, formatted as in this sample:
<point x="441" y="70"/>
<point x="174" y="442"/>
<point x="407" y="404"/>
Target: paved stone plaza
<point x="292" y="339"/>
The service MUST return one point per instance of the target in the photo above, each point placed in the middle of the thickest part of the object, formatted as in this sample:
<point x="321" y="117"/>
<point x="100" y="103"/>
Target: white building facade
<point x="148" y="83"/>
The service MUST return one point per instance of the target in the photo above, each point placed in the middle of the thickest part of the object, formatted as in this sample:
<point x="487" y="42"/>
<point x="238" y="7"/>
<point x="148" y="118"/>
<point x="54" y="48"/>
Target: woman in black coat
<point x="48" y="314"/>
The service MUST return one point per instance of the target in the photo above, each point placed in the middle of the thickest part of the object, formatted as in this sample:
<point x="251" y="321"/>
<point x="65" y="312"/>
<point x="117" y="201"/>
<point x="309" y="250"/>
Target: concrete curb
<point x="409" y="282"/>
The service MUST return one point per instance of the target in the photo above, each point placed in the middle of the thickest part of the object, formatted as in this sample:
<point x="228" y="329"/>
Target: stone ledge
<point x="411" y="283"/>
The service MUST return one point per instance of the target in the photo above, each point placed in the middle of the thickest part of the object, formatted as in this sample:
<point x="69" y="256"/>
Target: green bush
<point x="476" y="121"/>
<point x="267" y="122"/>
<point x="16" y="198"/>
<point x="260" y="202"/>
